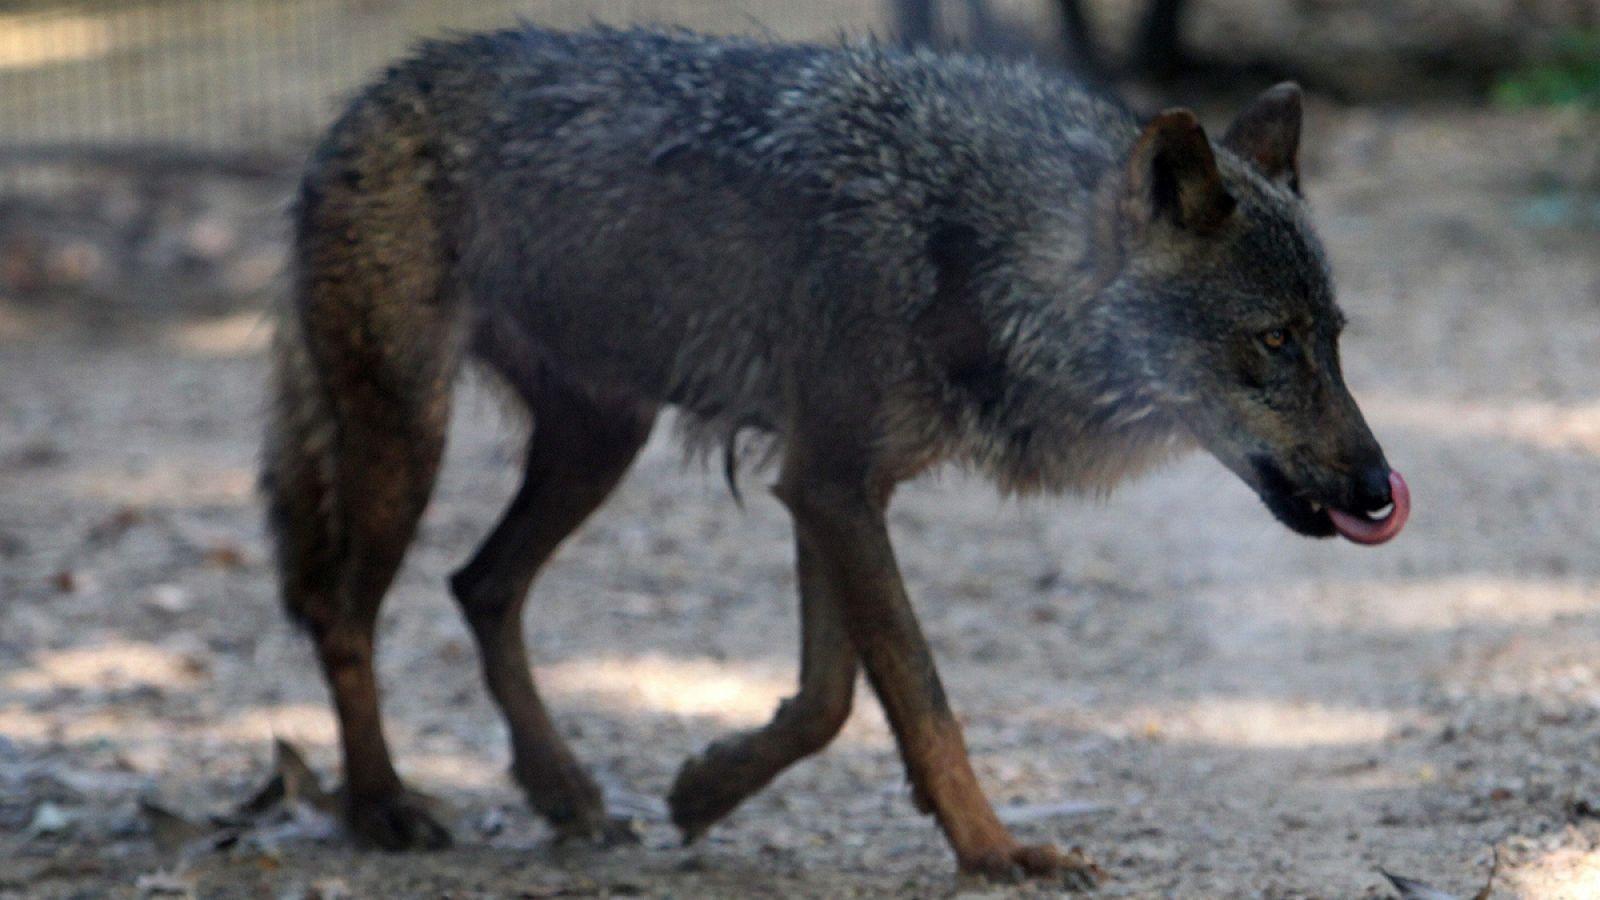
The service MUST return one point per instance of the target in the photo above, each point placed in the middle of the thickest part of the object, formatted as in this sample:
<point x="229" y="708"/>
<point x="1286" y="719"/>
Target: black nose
<point x="1372" y="488"/>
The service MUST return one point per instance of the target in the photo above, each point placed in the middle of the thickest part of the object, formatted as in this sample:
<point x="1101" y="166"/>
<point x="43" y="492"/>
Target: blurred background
<point x="136" y="102"/>
<point x="1210" y="706"/>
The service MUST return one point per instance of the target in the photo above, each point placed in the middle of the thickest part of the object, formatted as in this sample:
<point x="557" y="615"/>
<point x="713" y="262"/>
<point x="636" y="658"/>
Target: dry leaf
<point x="1411" y="889"/>
<point x="292" y="781"/>
<point x="171" y="831"/>
<point x="225" y="555"/>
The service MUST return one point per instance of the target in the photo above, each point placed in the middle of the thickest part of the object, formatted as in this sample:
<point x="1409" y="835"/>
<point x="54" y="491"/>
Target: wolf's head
<point x="1227" y="305"/>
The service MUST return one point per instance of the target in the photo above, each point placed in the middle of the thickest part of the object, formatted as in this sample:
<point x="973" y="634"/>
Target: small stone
<point x="167" y="598"/>
<point x="49" y="820"/>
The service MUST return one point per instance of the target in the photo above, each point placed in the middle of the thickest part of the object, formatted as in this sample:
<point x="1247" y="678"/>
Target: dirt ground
<point x="1207" y="704"/>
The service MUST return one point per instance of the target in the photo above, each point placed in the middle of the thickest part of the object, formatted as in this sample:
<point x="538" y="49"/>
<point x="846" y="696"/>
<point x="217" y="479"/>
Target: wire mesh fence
<point x="148" y="147"/>
<point x="241" y="78"/>
<point x="180" y="80"/>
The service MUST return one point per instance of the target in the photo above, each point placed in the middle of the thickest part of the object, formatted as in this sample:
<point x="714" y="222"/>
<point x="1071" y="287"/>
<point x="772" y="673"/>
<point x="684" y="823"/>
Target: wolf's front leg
<point x="711" y="784"/>
<point x="841" y="520"/>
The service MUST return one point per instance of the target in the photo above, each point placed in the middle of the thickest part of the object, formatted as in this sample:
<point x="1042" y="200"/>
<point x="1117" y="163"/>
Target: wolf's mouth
<point x="1379" y="525"/>
<point x="1315" y="518"/>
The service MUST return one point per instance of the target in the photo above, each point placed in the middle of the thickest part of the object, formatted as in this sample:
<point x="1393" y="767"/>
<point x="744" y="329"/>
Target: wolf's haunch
<point x="1362" y="530"/>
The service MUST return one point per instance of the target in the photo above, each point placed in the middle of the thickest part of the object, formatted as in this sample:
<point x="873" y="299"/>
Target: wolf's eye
<point x="1275" y="339"/>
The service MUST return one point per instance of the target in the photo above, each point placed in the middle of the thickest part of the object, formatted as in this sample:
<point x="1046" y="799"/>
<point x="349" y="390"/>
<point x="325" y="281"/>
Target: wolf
<point x="875" y="261"/>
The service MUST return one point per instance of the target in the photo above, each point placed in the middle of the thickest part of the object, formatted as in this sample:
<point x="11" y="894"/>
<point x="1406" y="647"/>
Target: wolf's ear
<point x="1172" y="175"/>
<point x="1267" y="134"/>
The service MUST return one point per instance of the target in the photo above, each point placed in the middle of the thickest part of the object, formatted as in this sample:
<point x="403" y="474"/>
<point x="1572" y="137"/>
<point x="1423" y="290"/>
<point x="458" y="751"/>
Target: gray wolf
<point x="877" y="261"/>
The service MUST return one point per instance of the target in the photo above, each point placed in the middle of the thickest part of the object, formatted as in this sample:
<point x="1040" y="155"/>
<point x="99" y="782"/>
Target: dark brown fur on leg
<point x="378" y="808"/>
<point x="384" y="475"/>
<point x="580" y="450"/>
<point x="364" y="359"/>
<point x="337" y="557"/>
<point x="710" y="785"/>
<point x="838" y="505"/>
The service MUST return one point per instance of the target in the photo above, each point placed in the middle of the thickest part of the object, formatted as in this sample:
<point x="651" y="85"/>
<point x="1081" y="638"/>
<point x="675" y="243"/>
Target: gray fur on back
<point x="702" y="222"/>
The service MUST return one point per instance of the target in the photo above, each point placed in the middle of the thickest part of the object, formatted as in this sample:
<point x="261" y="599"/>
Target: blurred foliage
<point x="1569" y="81"/>
<point x="1570" y="78"/>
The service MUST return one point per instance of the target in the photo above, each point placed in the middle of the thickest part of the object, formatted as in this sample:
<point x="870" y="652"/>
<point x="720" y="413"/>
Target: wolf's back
<point x="682" y="219"/>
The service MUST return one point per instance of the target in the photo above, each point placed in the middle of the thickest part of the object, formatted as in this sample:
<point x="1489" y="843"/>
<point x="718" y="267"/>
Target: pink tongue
<point x="1375" y="531"/>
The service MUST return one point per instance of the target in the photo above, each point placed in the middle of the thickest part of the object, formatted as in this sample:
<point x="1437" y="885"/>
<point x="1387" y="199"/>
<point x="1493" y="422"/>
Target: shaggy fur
<point x="877" y="260"/>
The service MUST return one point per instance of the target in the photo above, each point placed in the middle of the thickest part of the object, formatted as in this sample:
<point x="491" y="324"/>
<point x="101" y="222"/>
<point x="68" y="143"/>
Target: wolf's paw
<point x="1072" y="870"/>
<point x="399" y="822"/>
<point x="707" y="788"/>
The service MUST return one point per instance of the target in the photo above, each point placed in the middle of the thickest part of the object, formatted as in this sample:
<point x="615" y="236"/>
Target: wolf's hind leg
<point x="580" y="449"/>
<point x="388" y="474"/>
<point x="363" y="366"/>
<point x="347" y="476"/>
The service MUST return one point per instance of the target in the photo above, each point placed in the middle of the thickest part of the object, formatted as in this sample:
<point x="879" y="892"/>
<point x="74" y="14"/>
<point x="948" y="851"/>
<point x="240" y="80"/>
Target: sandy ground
<point x="1206" y="703"/>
